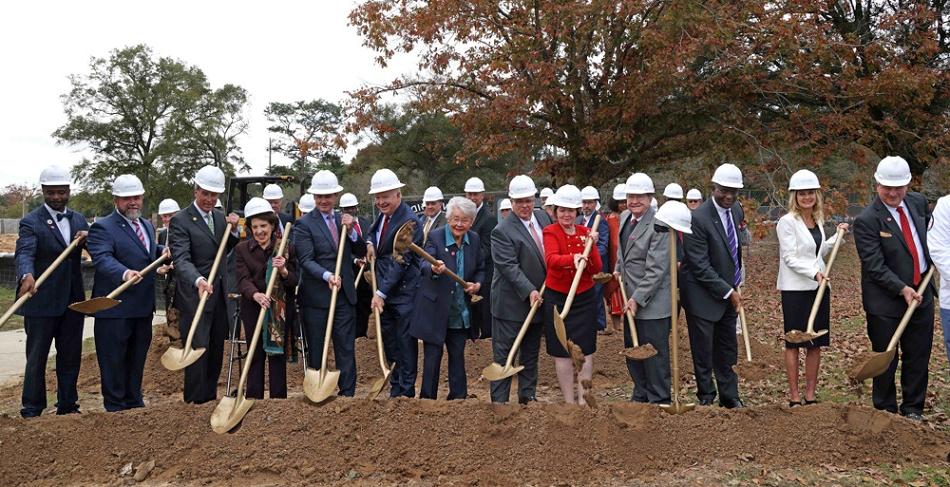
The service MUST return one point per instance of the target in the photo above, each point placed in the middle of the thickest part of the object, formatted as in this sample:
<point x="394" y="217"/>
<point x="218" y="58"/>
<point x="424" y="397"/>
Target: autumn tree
<point x="309" y="133"/>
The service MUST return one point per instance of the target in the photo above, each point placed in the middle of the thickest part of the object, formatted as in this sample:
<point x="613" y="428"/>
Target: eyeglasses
<point x="460" y="221"/>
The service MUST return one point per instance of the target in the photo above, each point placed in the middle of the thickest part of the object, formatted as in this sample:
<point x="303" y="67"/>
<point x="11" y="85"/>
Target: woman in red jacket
<point x="563" y="249"/>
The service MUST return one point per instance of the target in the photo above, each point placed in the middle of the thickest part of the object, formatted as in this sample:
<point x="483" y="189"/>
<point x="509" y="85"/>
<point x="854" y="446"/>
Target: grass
<point x="7" y="297"/>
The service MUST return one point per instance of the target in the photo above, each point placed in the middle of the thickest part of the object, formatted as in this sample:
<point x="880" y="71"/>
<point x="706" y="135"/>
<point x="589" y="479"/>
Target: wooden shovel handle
<point x="204" y="296"/>
<point x="675" y="315"/>
<point x="40" y="280"/>
<point x="432" y="260"/>
<point x="524" y="329"/>
<point x="379" y="327"/>
<point x="910" y="310"/>
<point x="131" y="282"/>
<point x="333" y="295"/>
<point x="359" y="274"/>
<point x="633" y="327"/>
<point x="824" y="282"/>
<point x="580" y="270"/>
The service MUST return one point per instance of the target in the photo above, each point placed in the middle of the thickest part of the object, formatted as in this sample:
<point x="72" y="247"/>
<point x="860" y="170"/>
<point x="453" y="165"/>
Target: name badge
<point x="886" y="235"/>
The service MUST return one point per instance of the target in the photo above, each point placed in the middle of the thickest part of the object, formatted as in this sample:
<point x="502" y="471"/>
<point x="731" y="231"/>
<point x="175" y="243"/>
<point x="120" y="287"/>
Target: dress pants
<point x="651" y="377"/>
<point x="364" y="297"/>
<point x="601" y="312"/>
<point x="432" y="362"/>
<point x="201" y="377"/>
<point x="66" y="330"/>
<point x="343" y="337"/>
<point x="276" y="366"/>
<point x="400" y="347"/>
<point x="914" y="354"/>
<point x="504" y="333"/>
<point x="715" y="351"/>
<point x="121" y="348"/>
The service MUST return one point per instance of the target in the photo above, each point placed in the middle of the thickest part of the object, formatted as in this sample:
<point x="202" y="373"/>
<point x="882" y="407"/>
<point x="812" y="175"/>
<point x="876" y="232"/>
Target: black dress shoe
<point x="525" y="400"/>
<point x="732" y="404"/>
<point x="914" y="416"/>
<point x="793" y="404"/>
<point x="705" y="402"/>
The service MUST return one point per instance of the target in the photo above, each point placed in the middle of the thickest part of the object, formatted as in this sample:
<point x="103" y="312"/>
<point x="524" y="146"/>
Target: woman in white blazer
<point x="802" y="248"/>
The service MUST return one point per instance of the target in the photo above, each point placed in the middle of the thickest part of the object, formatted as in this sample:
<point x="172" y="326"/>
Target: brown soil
<point x="8" y="242"/>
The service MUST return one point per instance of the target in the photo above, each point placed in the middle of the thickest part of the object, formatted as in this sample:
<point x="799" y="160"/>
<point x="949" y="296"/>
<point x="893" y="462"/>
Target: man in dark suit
<point x="166" y="211"/>
<point x="317" y="237"/>
<point x="364" y="290"/>
<point x="712" y="272"/>
<point x="195" y="235"/>
<point x="44" y="234"/>
<point x="397" y="278"/>
<point x="590" y="199"/>
<point x="432" y="215"/>
<point x="891" y="238"/>
<point x="485" y="222"/>
<point x="518" y="254"/>
<point x="121" y="244"/>
<point x="275" y="196"/>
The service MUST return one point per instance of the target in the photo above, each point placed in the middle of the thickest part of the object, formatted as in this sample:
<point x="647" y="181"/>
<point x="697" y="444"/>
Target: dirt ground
<point x="840" y="441"/>
<point x="7" y="242"/>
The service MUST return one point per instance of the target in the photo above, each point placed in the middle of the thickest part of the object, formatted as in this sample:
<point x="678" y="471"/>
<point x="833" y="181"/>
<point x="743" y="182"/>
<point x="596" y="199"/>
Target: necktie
<point x="382" y="234"/>
<point x="60" y="216"/>
<point x="428" y="225"/>
<point x="536" y="237"/>
<point x="331" y="225"/>
<point x="733" y="247"/>
<point x="210" y="222"/>
<point x="138" y="232"/>
<point x="356" y="225"/>
<point x="909" y="239"/>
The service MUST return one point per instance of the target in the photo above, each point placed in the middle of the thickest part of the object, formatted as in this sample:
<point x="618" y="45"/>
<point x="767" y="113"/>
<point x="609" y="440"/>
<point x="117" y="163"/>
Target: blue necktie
<point x="733" y="247"/>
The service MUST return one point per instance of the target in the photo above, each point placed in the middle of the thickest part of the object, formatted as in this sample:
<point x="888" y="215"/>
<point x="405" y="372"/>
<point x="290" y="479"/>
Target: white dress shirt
<point x="913" y="230"/>
<point x="938" y="237"/>
<point x="533" y="222"/>
<point x="62" y="224"/>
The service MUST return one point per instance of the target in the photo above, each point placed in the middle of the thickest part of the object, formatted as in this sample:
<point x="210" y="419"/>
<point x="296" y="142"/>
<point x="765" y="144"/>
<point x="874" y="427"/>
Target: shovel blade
<point x="678" y="407"/>
<point x="642" y="352"/>
<point x="559" y="329"/>
<point x="178" y="358"/>
<point x="874" y="366"/>
<point x="603" y="277"/>
<point x="498" y="372"/>
<point x="94" y="305"/>
<point x="381" y="382"/>
<point x="319" y="385"/>
<point x="229" y="413"/>
<point x="797" y="336"/>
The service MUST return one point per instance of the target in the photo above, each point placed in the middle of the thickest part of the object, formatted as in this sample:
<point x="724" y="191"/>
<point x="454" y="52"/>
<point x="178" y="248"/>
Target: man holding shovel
<point x="891" y="237"/>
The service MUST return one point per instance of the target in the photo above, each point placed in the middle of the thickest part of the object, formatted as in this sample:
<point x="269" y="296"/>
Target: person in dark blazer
<point x="121" y="244"/>
<point x="591" y="205"/>
<point x="397" y="279"/>
<point x="518" y="255"/>
<point x="712" y="270"/>
<point x="44" y="234"/>
<point x="891" y="237"/>
<point x="364" y="290"/>
<point x="275" y="196"/>
<point x="196" y="232"/>
<point x="317" y="237"/>
<point x="441" y="318"/>
<point x="252" y="259"/>
<point x="167" y="209"/>
<point x="433" y="215"/>
<point x="485" y="222"/>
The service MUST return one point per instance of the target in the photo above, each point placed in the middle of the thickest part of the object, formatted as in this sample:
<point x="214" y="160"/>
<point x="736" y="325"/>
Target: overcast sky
<point x="278" y="50"/>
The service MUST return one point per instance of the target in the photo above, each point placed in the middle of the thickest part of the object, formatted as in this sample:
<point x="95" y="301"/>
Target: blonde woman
<point x="802" y="248"/>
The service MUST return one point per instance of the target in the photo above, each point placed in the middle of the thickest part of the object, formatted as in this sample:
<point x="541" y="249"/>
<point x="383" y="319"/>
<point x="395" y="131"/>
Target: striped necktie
<point x="733" y="247"/>
<point x="139" y="233"/>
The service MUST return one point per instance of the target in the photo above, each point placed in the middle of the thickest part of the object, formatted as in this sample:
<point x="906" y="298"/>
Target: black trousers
<point x="914" y="353"/>
<point x="432" y="365"/>
<point x="343" y="337"/>
<point x="41" y="332"/>
<point x="715" y="351"/>
<point x="651" y="377"/>
<point x="504" y="333"/>
<point x="121" y="348"/>
<point x="276" y="366"/>
<point x="364" y="296"/>
<point x="400" y="347"/>
<point x="201" y="377"/>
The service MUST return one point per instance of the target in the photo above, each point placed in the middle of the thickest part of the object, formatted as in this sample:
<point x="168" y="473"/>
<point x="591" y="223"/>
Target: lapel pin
<point x="194" y="219"/>
<point x="889" y="219"/>
<point x="49" y="222"/>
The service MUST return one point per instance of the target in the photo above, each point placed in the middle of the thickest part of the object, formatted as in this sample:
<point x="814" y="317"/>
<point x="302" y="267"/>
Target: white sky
<point x="279" y="50"/>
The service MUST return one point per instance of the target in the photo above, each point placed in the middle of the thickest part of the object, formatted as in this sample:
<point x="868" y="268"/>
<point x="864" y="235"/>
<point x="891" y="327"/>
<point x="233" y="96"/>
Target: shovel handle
<point x="359" y="274"/>
<point x="580" y="270"/>
<point x="379" y="327"/>
<point x="633" y="328"/>
<point x="333" y="295"/>
<point x="432" y="260"/>
<point x="745" y="332"/>
<point x="824" y="282"/>
<point x="675" y="314"/>
<point x="523" y="330"/>
<point x="910" y="311"/>
<point x="131" y="282"/>
<point x="40" y="280"/>
<point x="204" y="296"/>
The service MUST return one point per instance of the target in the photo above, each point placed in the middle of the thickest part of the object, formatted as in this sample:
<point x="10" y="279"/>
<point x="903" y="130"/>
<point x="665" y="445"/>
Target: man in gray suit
<point x="195" y="235"/>
<point x="517" y="250"/>
<point x="643" y="260"/>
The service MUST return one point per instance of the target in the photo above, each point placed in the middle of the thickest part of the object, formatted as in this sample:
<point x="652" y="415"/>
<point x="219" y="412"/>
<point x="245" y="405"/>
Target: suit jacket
<point x="250" y="270"/>
<point x="886" y="262"/>
<point x="644" y="261"/>
<point x="316" y="254"/>
<point x="397" y="281"/>
<point x="38" y="245"/>
<point x="708" y="271"/>
<point x="798" y="261"/>
<point x="115" y="248"/>
<point x="430" y="316"/>
<point x="559" y="250"/>
<point x="603" y="237"/>
<point x="519" y="267"/>
<point x="485" y="222"/>
<point x="439" y="222"/>
<point x="193" y="250"/>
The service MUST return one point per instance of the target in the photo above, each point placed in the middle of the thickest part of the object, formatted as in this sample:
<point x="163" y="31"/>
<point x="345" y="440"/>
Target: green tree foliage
<point x="309" y="133"/>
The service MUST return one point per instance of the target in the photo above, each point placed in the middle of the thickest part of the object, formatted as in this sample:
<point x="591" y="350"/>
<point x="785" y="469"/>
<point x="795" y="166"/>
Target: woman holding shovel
<point x="802" y="248"/>
<point x="255" y="261"/>
<point x="563" y="251"/>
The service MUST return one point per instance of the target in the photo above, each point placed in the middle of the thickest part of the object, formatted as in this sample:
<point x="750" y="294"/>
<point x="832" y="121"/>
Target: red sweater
<point x="559" y="250"/>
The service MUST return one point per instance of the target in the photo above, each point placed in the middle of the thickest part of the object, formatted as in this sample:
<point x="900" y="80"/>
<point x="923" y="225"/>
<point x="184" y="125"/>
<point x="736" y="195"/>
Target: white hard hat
<point x="256" y="206"/>
<point x="348" y="200"/>
<point x="522" y="186"/>
<point x="893" y="171"/>
<point x="210" y="178"/>
<point x="217" y="203"/>
<point x="803" y="179"/>
<point x="547" y="193"/>
<point x="127" y="185"/>
<point x="673" y="190"/>
<point x="590" y="193"/>
<point x="432" y="194"/>
<point x="694" y="194"/>
<point x="640" y="183"/>
<point x="675" y="214"/>
<point x="654" y="203"/>
<point x="620" y="191"/>
<point x="384" y="180"/>
<point x="306" y="203"/>
<point x="728" y="175"/>
<point x="167" y="206"/>
<point x="505" y="204"/>
<point x="567" y="196"/>
<point x="474" y="185"/>
<point x="55" y="176"/>
<point x="273" y="192"/>
<point x="324" y="182"/>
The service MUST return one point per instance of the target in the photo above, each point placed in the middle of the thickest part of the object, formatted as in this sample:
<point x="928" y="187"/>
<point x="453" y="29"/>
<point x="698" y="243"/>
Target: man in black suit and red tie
<point x="891" y="237"/>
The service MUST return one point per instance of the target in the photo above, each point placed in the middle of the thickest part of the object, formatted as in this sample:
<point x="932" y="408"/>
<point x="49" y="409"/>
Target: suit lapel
<point x="526" y="236"/>
<point x="129" y="232"/>
<point x="890" y="223"/>
<point x="200" y="222"/>
<point x="717" y="222"/>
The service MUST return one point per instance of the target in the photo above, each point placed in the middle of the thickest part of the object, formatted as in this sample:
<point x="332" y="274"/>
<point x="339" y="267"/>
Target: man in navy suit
<point x="397" y="278"/>
<point x="317" y="238"/>
<point x="364" y="290"/>
<point x="121" y="244"/>
<point x="44" y="234"/>
<point x="590" y="199"/>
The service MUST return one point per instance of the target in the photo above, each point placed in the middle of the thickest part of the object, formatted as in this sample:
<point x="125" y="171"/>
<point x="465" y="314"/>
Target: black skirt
<point x="796" y="306"/>
<point x="581" y="322"/>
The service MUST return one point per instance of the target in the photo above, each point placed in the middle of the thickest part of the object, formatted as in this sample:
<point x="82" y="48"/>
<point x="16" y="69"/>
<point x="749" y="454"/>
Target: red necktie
<point x="356" y="225"/>
<point x="382" y="234"/>
<point x="138" y="232"/>
<point x="909" y="239"/>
